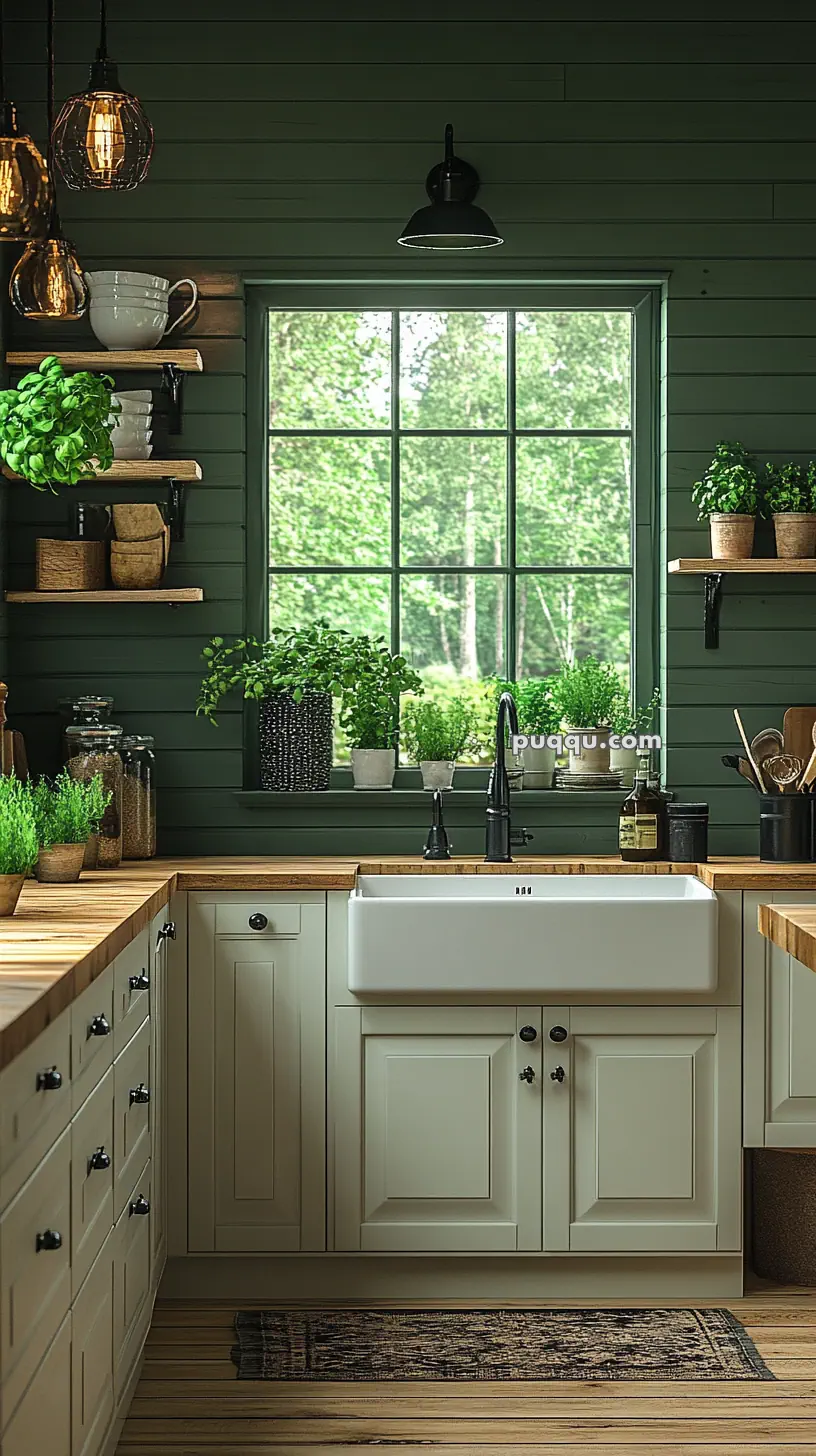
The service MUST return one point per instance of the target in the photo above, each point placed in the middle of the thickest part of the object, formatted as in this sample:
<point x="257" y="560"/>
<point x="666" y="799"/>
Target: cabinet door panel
<point x="158" y="1023"/>
<point x="131" y="1281"/>
<point x="41" y="1425"/>
<point x="131" y="979"/>
<point x="91" y="1181"/>
<point x="791" y="1033"/>
<point x="92" y="1355"/>
<point x="91" y="1037"/>
<point x="132" y="1117"/>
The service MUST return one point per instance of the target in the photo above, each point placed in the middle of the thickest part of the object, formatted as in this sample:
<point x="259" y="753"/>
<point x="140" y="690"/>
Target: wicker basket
<point x="137" y="522"/>
<point x="139" y="565"/>
<point x="296" y="742"/>
<point x="70" y="565"/>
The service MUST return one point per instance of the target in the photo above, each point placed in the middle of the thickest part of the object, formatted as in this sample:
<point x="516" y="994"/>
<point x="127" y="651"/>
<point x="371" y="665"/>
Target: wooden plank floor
<point x="189" y="1402"/>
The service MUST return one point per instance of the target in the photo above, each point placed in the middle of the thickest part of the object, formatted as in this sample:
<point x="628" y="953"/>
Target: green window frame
<point x="643" y="305"/>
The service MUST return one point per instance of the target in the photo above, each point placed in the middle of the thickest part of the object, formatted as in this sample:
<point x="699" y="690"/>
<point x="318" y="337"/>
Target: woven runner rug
<point x="495" y="1344"/>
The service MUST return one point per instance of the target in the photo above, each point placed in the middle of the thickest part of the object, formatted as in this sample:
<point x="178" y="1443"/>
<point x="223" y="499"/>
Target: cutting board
<point x="797" y="730"/>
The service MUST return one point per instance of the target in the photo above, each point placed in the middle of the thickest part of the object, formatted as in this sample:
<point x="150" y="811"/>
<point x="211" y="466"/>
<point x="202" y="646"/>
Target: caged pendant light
<point x="102" y="138"/>
<point x="452" y="222"/>
<point x="47" y="281"/>
<point x="25" y="194"/>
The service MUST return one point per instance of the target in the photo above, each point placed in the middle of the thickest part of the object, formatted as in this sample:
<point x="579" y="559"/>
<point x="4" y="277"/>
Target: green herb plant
<point x="585" y="694"/>
<point x="790" y="488"/>
<point x="55" y="428"/>
<point x="372" y="688"/>
<point x="729" y="485"/>
<point x="313" y="659"/>
<point x="19" y="843"/>
<point x="67" y="810"/>
<point x="627" y="718"/>
<point x="537" y="712"/>
<point x="436" y="733"/>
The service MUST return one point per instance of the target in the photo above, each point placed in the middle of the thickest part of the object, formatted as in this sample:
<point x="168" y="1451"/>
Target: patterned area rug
<point x="495" y="1344"/>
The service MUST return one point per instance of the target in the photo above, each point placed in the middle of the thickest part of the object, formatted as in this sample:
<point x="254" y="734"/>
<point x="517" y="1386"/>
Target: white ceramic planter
<point x="437" y="773"/>
<point x="515" y="768"/>
<point x="373" y="768"/>
<point x="539" y="767"/>
<point x="625" y="759"/>
<point x="586" y="759"/>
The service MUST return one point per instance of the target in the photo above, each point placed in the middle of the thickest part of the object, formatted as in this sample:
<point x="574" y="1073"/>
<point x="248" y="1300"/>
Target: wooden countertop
<point x="63" y="936"/>
<point x="792" y="928"/>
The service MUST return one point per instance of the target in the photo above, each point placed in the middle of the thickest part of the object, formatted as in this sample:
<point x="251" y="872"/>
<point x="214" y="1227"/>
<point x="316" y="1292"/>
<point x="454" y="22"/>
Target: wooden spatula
<point x="797" y="731"/>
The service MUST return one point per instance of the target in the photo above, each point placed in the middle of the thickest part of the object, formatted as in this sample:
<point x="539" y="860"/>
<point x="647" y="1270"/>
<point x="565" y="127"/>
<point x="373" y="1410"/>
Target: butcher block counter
<point x="63" y="936"/>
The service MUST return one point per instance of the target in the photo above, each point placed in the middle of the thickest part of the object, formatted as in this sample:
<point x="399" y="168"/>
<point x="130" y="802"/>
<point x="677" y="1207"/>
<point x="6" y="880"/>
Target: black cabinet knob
<point x="139" y="1094"/>
<point x="100" y="1026"/>
<point x="528" y="1075"/>
<point x="140" y="982"/>
<point x="99" y="1161"/>
<point x="49" y="1081"/>
<point x="168" y="930"/>
<point x="558" y="1075"/>
<point x="528" y="1033"/>
<point x="558" y="1033"/>
<point x="48" y="1241"/>
<point x="258" y="921"/>
<point x="140" y="1206"/>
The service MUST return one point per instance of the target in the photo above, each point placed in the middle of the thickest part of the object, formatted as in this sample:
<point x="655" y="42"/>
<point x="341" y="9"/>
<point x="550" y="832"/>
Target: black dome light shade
<point x="452" y="222"/>
<point x="102" y="139"/>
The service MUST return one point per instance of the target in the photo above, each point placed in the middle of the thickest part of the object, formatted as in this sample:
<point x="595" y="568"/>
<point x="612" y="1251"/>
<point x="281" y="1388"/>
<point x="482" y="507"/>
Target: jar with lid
<point x="93" y="708"/>
<point x="138" y="797"/>
<point x="93" y="748"/>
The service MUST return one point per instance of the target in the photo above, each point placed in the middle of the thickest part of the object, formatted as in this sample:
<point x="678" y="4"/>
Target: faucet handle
<point x="520" y="837"/>
<point x="437" y="845"/>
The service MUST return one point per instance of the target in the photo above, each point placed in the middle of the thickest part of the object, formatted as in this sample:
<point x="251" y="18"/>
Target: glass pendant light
<point x="24" y="189"/>
<point x="102" y="138"/>
<point x="452" y="222"/>
<point x="47" y="282"/>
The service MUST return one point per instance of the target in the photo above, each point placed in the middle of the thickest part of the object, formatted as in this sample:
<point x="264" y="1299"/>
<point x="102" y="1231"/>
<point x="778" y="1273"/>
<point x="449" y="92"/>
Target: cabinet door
<point x="651" y="1100"/>
<point x="162" y="931"/>
<point x="790" y="1115"/>
<point x="132" y="1107"/>
<point x="92" y="1355"/>
<point x="91" y="1179"/>
<point x="437" y="1136"/>
<point x="256" y="1090"/>
<point x="132" y="1304"/>
<point x="41" y="1425"/>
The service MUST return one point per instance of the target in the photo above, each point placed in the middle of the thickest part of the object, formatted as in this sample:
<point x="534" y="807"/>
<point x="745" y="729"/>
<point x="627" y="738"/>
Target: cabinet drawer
<point x="91" y="1179"/>
<point x="270" y="919"/>
<point x="35" y="1104"/>
<point x="131" y="993"/>
<point x="91" y="1037"/>
<point x="132" y="1119"/>
<point x="35" y="1276"/>
<point x="131" y="1279"/>
<point x="92" y="1356"/>
<point x="41" y="1426"/>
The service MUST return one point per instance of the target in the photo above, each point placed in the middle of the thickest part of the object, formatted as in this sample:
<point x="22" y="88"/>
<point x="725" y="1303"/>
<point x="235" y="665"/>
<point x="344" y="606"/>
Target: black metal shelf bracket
<point x="176" y="508"/>
<point x="713" y="600"/>
<point x="173" y="386"/>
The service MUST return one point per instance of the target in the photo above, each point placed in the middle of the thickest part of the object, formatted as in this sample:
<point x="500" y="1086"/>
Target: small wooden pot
<point x="732" y="537"/>
<point x="139" y="565"/>
<point x="10" y="890"/>
<point x="133" y="521"/>
<point x="61" y="864"/>
<point x="795" y="535"/>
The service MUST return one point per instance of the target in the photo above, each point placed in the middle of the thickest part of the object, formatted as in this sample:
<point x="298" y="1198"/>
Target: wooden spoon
<point x="809" y="773"/>
<point x="760" y="782"/>
<point x="783" y="769"/>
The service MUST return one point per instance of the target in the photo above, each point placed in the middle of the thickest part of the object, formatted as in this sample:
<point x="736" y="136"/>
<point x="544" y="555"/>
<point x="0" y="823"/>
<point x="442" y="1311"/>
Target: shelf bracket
<point x="176" y="508"/>
<point x="713" y="600"/>
<point x="172" y="385"/>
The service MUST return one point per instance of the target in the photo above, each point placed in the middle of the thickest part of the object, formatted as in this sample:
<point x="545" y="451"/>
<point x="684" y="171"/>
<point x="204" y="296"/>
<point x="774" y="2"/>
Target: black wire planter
<point x="296" y="742"/>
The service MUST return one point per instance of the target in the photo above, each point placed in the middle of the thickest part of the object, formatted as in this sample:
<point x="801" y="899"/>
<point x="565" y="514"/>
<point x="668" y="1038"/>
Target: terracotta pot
<point x="10" y="889"/>
<point x="61" y="864"/>
<point x="589" y="758"/>
<point x="732" y="537"/>
<point x="373" y="768"/>
<point x="795" y="535"/>
<point x="437" y="773"/>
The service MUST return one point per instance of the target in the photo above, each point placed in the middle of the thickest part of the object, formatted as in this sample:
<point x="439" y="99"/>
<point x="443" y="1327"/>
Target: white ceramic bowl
<point x="134" y="399"/>
<point x="155" y="297"/>
<point x="127" y="277"/>
<point x="127" y="326"/>
<point x="131" y="436"/>
<point x="136" y="414"/>
<point x="132" y="452"/>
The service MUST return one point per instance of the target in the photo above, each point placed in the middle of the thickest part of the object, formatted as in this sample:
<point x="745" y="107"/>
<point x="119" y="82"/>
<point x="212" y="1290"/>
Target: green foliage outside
<point x="67" y="810"/>
<point x="533" y="696"/>
<point x="628" y="719"/>
<point x="54" y="427"/>
<point x="587" y="694"/>
<point x="729" y="484"/>
<point x="431" y="732"/>
<point x="369" y="706"/>
<point x="19" y="842"/>
<point x="790" y="488"/>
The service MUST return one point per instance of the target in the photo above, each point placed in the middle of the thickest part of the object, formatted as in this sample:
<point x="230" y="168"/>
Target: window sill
<point x="339" y="798"/>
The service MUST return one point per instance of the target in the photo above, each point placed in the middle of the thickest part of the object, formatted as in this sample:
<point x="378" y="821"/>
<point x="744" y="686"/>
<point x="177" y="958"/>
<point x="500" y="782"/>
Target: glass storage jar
<point x="92" y="708"/>
<point x="138" y="797"/>
<point x="94" y="748"/>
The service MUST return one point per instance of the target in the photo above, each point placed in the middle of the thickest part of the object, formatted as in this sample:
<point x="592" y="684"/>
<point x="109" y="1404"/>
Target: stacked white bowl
<point x="133" y="428"/>
<point x="130" y="310"/>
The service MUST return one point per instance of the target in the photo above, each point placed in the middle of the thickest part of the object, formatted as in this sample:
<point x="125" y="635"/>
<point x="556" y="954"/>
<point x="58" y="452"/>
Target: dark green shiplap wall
<point x="607" y="149"/>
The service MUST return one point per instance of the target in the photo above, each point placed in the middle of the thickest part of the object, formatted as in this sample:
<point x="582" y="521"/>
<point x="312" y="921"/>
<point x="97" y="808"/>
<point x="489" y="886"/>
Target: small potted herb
<point x="369" y="710"/>
<point x="539" y="718"/>
<point x="18" y="841"/>
<point x="585" y="695"/>
<point x="790" y="496"/>
<point x="628" y="720"/>
<point x="728" y="497"/>
<point x="67" y="812"/>
<point x="55" y="428"/>
<point x="434" y="736"/>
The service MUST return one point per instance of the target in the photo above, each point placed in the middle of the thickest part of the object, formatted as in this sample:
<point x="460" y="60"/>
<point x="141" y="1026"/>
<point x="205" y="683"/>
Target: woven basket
<point x="795" y="535"/>
<point x="732" y="537"/>
<point x="136" y="522"/>
<point x="296" y="742"/>
<point x="70" y="565"/>
<point x="139" y="565"/>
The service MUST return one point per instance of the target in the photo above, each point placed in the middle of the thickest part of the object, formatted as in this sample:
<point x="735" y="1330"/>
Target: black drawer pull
<point x="258" y="921"/>
<point x="99" y="1161"/>
<point x="140" y="1206"/>
<point x="49" y="1081"/>
<point x="140" y="982"/>
<point x="48" y="1241"/>
<point x="139" y="1094"/>
<point x="100" y="1026"/>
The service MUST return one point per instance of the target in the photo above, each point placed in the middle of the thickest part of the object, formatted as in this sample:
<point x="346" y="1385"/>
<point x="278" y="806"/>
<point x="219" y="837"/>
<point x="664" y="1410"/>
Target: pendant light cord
<point x="50" y="104"/>
<point x="2" y="54"/>
<point x="102" y="52"/>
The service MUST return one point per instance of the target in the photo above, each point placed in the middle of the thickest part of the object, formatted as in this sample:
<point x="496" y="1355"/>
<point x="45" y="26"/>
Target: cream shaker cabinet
<point x="780" y="1036"/>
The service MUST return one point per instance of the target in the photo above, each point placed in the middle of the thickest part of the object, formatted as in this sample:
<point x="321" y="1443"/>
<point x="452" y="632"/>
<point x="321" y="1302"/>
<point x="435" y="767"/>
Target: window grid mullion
<point x="510" y="665"/>
<point x="395" y="481"/>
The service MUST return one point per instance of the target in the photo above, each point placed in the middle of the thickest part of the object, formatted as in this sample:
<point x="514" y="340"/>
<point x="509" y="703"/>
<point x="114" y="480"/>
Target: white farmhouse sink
<point x="527" y="935"/>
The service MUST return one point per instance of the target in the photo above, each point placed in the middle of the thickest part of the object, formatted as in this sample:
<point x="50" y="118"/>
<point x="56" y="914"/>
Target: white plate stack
<point x="133" y="427"/>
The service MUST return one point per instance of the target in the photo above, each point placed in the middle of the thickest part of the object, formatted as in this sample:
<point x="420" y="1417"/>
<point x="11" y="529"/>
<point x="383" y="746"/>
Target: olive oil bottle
<point x="644" y="822"/>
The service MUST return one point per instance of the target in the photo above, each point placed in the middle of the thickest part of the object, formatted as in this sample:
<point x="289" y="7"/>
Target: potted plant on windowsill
<point x="585" y="694"/>
<point x="66" y="813"/>
<point x="728" y="497"/>
<point x="369" y="710"/>
<point x="538" y="717"/>
<point x="293" y="676"/>
<point x="435" y="735"/>
<point x="628" y="720"/>
<point x="790" y="496"/>
<point x="18" y="840"/>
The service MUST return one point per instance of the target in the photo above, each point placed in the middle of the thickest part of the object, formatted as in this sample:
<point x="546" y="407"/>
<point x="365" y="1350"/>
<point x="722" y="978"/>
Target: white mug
<point x="132" y="325"/>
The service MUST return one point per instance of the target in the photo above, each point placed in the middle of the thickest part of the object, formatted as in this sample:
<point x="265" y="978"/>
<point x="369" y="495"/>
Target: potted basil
<point x="539" y="718"/>
<point x="18" y="840"/>
<point x="435" y="735"/>
<point x="585" y="694"/>
<point x="627" y="719"/>
<point x="790" y="496"/>
<point x="55" y="428"/>
<point x="66" y="813"/>
<point x="728" y="497"/>
<point x="369" y="710"/>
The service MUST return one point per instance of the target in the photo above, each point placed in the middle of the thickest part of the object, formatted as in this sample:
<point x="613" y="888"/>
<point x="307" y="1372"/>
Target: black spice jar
<point x="786" y="827"/>
<point x="688" y="833"/>
<point x="297" y="742"/>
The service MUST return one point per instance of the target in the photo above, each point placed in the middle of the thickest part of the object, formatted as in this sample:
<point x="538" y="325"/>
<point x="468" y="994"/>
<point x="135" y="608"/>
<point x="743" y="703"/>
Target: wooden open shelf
<point x="133" y="470"/>
<point x="172" y="595"/>
<point x="749" y="566"/>
<point x="188" y="360"/>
